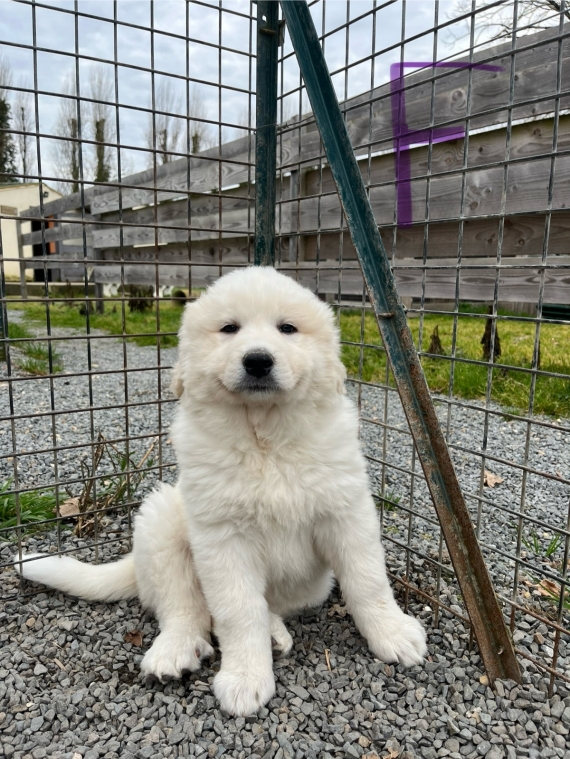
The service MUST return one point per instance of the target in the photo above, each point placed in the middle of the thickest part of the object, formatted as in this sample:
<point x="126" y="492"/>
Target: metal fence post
<point x="266" y="131"/>
<point x="490" y="630"/>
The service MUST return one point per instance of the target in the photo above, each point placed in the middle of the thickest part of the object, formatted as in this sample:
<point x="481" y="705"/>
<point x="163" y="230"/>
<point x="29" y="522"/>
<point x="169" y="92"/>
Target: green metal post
<point x="489" y="626"/>
<point x="266" y="131"/>
<point x="2" y="335"/>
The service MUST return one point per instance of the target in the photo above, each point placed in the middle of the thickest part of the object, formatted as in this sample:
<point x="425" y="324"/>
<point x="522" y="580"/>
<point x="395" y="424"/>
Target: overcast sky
<point x="58" y="33"/>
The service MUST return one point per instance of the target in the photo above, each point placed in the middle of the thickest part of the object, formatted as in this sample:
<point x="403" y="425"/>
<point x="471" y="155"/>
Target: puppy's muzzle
<point x="258" y="364"/>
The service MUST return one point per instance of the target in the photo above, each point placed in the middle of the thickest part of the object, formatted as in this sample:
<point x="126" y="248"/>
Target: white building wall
<point x="19" y="197"/>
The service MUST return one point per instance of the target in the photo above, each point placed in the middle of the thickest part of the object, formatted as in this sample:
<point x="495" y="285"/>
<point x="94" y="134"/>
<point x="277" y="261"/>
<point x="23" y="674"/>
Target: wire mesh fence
<point x="130" y="188"/>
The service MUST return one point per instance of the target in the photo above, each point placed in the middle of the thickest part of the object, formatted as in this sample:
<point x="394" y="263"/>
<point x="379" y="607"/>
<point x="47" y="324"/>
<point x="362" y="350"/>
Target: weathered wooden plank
<point x="520" y="281"/>
<point x="76" y="252"/>
<point x="204" y="228"/>
<point x="182" y="212"/>
<point x="478" y="284"/>
<point x="61" y="205"/>
<point x="146" y="274"/>
<point x="526" y="191"/>
<point x="522" y="235"/>
<point x="57" y="233"/>
<point x="527" y="140"/>
<point x="49" y="262"/>
<point x="235" y="252"/>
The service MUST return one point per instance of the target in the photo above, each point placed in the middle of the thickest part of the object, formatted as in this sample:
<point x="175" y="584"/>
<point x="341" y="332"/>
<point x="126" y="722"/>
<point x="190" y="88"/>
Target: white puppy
<point x="273" y="497"/>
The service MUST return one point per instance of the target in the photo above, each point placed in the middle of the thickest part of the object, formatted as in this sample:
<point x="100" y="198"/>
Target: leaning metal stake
<point x="489" y="626"/>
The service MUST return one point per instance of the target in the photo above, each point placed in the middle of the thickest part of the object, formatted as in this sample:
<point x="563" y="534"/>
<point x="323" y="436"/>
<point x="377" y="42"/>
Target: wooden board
<point x="519" y="281"/>
<point x="522" y="235"/>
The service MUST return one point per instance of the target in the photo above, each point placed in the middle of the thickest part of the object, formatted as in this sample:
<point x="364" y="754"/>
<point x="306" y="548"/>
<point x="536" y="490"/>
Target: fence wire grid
<point x="128" y="186"/>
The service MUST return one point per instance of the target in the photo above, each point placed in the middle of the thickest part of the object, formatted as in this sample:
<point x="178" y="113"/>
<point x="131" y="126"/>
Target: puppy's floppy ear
<point x="176" y="384"/>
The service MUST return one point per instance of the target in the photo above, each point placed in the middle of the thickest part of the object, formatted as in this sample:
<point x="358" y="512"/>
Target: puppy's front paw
<point x="173" y="654"/>
<point x="241" y="693"/>
<point x="400" y="639"/>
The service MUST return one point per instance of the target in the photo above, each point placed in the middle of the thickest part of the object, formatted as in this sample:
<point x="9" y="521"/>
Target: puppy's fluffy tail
<point x="94" y="582"/>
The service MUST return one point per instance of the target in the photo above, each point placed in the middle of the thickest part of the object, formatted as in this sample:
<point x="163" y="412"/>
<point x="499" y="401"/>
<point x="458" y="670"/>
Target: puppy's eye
<point x="287" y="329"/>
<point x="229" y="329"/>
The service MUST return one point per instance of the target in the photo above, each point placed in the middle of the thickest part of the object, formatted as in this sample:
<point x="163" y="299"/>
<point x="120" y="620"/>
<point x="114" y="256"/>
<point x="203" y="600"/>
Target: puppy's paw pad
<point x="243" y="693"/>
<point x="171" y="654"/>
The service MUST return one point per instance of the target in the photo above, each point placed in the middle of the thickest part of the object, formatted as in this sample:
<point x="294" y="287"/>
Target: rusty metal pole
<point x="492" y="635"/>
<point x="266" y="131"/>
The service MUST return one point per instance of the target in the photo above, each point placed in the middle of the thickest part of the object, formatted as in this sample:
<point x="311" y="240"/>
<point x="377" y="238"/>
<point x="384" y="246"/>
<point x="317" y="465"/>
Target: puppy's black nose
<point x="258" y="364"/>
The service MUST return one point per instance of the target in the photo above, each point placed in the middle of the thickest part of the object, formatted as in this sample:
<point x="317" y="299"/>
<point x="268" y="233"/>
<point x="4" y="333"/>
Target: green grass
<point x="388" y="501"/>
<point x="510" y="388"/>
<point x="143" y="325"/>
<point x="35" y="506"/>
<point x="34" y="358"/>
<point x="533" y="543"/>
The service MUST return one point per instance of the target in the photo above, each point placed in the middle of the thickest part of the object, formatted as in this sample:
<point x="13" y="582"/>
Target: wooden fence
<point x="505" y="191"/>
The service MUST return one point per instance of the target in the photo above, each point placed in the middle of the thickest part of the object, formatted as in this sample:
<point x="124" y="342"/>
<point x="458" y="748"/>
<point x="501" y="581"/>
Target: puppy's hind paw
<point x="173" y="654"/>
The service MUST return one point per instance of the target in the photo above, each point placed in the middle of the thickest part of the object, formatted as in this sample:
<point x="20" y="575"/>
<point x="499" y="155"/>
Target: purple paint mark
<point x="404" y="136"/>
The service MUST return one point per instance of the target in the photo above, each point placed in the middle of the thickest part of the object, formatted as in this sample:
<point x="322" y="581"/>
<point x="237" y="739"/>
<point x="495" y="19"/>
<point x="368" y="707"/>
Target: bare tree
<point x="165" y="133"/>
<point x="24" y="124"/>
<point x="7" y="148"/>
<point x="101" y="124"/>
<point x="5" y="75"/>
<point x="499" y="22"/>
<point x="66" y="150"/>
<point x="200" y="136"/>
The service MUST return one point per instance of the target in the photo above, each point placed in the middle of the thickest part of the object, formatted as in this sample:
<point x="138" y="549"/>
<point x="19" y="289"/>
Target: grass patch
<point x="35" y="506"/>
<point x="139" y="327"/>
<point x="33" y="357"/>
<point x="510" y="388"/>
<point x="388" y="501"/>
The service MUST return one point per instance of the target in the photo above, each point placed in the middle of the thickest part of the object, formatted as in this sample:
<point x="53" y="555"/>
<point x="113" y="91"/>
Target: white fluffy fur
<point x="273" y="497"/>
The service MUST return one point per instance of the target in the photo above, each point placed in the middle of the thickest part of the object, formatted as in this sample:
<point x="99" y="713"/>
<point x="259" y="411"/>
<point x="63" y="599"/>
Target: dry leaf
<point x="342" y="611"/>
<point x="491" y="479"/>
<point x="548" y="588"/>
<point x="70" y="508"/>
<point x="135" y="637"/>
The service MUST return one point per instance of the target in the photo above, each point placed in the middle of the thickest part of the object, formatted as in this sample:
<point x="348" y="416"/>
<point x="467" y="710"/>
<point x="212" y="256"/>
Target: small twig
<point x="147" y="454"/>
<point x="327" y="652"/>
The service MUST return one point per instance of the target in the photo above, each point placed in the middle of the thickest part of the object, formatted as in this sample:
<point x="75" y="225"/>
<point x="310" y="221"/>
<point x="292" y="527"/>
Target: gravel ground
<point x="69" y="683"/>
